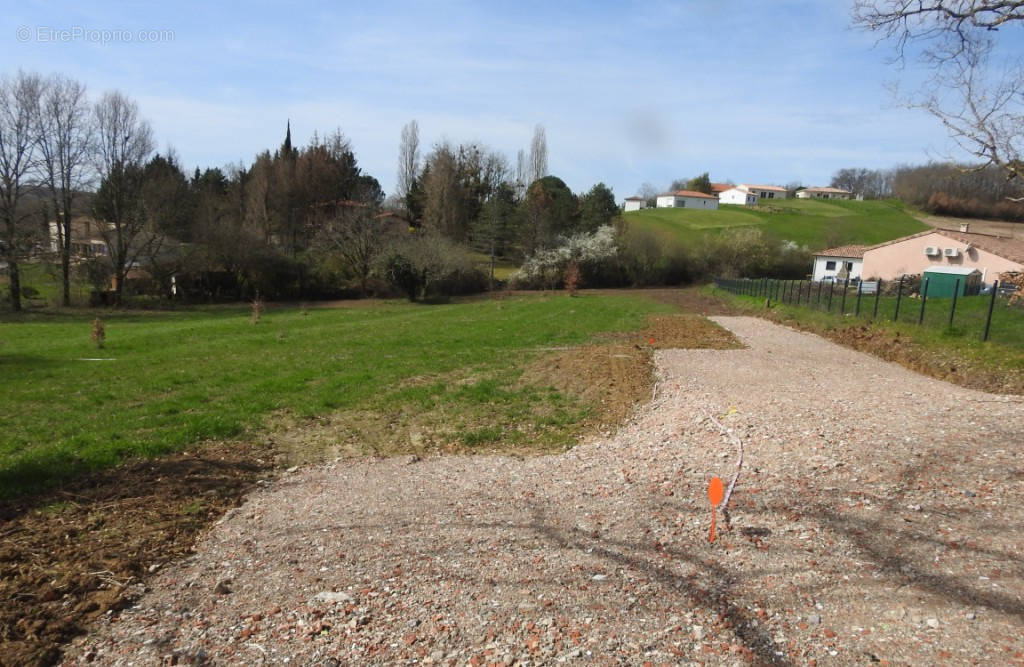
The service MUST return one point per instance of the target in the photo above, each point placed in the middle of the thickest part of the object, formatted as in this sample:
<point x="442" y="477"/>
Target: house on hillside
<point x="839" y="263"/>
<point x="738" y="196"/>
<point x="765" y="191"/>
<point x="635" y="204"/>
<point x="990" y="254"/>
<point x="823" y="193"/>
<point x="719" y="188"/>
<point x="687" y="199"/>
<point x="86" y="237"/>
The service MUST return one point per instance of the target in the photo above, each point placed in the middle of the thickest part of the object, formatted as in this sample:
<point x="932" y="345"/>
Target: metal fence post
<point x="952" y="306"/>
<point x="831" y="288"/>
<point x="991" y="302"/>
<point x="846" y="288"/>
<point x="899" y="295"/>
<point x="817" y="302"/>
<point x="924" y="300"/>
<point x="799" y="291"/>
<point x="878" y="293"/>
<point x="860" y="289"/>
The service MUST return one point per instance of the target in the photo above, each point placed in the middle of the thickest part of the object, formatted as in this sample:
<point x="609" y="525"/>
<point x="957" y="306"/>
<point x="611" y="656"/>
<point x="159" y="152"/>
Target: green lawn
<point x="169" y="380"/>
<point x="815" y="224"/>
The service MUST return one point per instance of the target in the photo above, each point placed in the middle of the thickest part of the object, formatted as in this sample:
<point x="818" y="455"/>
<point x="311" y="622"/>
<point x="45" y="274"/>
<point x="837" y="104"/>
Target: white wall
<point x="666" y="201"/>
<point x="737" y="196"/>
<point x="821" y="271"/>
<point x="634" y="205"/>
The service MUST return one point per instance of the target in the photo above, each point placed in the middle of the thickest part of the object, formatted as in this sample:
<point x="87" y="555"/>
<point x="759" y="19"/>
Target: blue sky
<point x="757" y="91"/>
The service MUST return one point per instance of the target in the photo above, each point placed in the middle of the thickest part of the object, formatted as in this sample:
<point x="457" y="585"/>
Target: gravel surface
<point x="878" y="519"/>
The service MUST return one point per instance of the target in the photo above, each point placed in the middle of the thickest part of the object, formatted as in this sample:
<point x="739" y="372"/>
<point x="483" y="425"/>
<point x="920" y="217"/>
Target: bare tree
<point x="977" y="97"/>
<point x="408" y="158"/>
<point x="522" y="173"/>
<point x="65" y="128"/>
<point x="356" y="237"/>
<point x="538" y="154"/>
<point x="19" y="104"/>
<point x="124" y="141"/>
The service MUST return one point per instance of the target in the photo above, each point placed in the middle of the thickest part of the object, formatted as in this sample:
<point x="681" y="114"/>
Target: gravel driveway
<point x="878" y="519"/>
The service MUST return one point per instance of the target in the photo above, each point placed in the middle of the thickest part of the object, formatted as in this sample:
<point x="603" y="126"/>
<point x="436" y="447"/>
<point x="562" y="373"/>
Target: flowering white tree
<point x="547" y="266"/>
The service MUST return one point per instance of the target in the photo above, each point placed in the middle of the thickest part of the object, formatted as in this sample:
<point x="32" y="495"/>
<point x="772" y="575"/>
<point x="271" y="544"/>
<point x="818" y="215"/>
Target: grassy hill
<point x="815" y="224"/>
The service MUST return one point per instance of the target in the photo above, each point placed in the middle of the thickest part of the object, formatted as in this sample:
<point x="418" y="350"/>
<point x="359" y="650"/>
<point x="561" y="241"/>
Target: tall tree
<point x="977" y="96"/>
<point x="124" y="141"/>
<point x="408" y="159"/>
<point x="597" y="208"/>
<point x="66" y="150"/>
<point x="701" y="183"/>
<point x="356" y="237"/>
<point x="19" y="106"/>
<point x="538" y="154"/>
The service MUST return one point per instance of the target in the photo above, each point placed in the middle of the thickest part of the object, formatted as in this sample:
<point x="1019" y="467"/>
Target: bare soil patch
<point x="86" y="549"/>
<point x="998" y="227"/>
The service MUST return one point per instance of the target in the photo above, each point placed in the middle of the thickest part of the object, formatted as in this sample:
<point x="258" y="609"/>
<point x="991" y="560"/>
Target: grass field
<point x="815" y="224"/>
<point x="168" y="380"/>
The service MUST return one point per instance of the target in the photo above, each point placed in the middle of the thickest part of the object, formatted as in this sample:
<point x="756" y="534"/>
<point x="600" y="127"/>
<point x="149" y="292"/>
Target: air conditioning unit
<point x="932" y="251"/>
<point x="951" y="252"/>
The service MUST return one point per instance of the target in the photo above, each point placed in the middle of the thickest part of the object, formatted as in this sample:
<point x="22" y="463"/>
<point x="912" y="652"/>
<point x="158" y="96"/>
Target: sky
<point x="752" y="91"/>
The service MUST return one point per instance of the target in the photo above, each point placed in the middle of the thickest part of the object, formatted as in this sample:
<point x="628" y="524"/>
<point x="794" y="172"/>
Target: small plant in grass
<point x="572" y="277"/>
<point x="257" y="308"/>
<point x="99" y="333"/>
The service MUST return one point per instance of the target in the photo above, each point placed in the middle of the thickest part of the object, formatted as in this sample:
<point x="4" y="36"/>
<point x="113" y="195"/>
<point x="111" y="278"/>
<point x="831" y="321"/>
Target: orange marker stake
<point x="715" y="493"/>
<point x="650" y="341"/>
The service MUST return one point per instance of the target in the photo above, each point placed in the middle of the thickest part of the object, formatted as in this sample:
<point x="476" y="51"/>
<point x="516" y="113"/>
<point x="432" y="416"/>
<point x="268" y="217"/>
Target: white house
<point x="823" y="193"/>
<point x="635" y="204"/>
<point x="738" y="196"/>
<point x="765" y="191"/>
<point x="839" y="263"/>
<point x="687" y="199"/>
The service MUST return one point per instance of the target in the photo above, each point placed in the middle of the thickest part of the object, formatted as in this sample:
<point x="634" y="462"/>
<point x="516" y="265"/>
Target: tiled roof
<point x="843" y="251"/>
<point x="771" y="188"/>
<point x="1011" y="249"/>
<point x="688" y="193"/>
<point x="721" y="187"/>
<point x="635" y="199"/>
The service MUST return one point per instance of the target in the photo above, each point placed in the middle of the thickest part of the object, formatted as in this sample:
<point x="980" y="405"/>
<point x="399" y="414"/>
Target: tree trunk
<point x="15" y="279"/>
<point x="65" y="259"/>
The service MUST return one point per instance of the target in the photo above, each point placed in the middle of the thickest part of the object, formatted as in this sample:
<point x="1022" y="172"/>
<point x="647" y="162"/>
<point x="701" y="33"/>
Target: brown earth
<point x="88" y="548"/>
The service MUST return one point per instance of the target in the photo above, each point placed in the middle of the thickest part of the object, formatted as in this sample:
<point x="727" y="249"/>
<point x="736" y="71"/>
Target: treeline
<point x="960" y="191"/>
<point x="942" y="188"/>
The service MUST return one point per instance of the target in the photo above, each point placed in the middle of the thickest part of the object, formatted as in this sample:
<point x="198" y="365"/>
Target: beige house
<point x="765" y="191"/>
<point x="823" y="193"/>
<point x="990" y="254"/>
<point x="86" y="238"/>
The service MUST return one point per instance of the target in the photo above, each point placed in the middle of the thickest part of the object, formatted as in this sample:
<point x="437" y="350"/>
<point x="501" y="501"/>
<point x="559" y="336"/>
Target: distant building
<point x="823" y="193"/>
<point x="635" y="204"/>
<point x="86" y="238"/>
<point x="765" y="191"/>
<point x="738" y="196"/>
<point x="687" y="199"/>
<point x="719" y="188"/>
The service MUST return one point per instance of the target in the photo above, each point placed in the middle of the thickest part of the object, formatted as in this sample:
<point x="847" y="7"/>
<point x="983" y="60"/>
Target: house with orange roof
<point x="765" y="191"/>
<point x="990" y="254"/>
<point x="839" y="263"/>
<point x="687" y="199"/>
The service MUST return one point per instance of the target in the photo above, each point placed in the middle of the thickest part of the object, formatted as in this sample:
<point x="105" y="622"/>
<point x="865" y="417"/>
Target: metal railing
<point x="905" y="300"/>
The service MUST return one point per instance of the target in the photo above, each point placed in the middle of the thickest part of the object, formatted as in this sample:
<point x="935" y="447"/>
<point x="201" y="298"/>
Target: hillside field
<point x="811" y="223"/>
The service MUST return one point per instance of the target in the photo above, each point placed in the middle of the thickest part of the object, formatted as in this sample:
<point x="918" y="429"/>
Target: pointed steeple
<point x="286" y="149"/>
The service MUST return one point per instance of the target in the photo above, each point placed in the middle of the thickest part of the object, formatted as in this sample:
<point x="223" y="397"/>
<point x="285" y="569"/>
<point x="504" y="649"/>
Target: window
<point x="771" y="195"/>
<point x="849" y="266"/>
<point x="830" y="265"/>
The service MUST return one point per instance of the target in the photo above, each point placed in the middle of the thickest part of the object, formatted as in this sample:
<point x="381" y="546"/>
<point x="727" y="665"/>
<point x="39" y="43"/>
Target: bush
<point x="546" y="269"/>
<point x="426" y="265"/>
